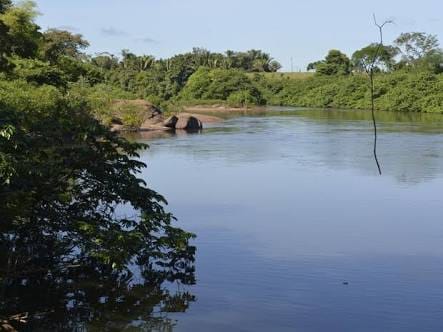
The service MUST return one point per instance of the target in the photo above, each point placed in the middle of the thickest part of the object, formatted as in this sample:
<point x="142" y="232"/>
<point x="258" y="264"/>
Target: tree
<point x="335" y="63"/>
<point x="4" y="5"/>
<point x="5" y="42"/>
<point x="416" y="45"/>
<point x="219" y="84"/>
<point x="228" y="59"/>
<point x="69" y="189"/>
<point x="383" y="58"/>
<point x="313" y="65"/>
<point x="39" y="72"/>
<point x="434" y="61"/>
<point x="23" y="33"/>
<point x="57" y="43"/>
<point x="105" y="61"/>
<point x="274" y="66"/>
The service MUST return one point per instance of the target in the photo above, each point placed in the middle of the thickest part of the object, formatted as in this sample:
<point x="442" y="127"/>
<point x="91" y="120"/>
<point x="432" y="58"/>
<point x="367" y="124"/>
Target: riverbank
<point x="399" y="91"/>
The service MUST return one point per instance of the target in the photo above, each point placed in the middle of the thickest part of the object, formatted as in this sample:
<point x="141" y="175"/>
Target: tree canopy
<point x="72" y="204"/>
<point x="24" y="35"/>
<point x="221" y="84"/>
<point x="335" y="63"/>
<point x="382" y="57"/>
<point x="57" y="43"/>
<point x="416" y="45"/>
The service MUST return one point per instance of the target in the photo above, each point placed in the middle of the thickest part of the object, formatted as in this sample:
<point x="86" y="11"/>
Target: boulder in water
<point x="188" y="123"/>
<point x="170" y="122"/>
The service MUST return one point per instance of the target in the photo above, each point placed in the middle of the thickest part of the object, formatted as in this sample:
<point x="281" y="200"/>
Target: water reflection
<point x="159" y="134"/>
<point x="289" y="205"/>
<point x="52" y="295"/>
<point x="409" y="143"/>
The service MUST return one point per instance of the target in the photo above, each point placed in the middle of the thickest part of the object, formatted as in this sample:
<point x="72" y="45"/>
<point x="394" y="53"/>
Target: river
<point x="296" y="231"/>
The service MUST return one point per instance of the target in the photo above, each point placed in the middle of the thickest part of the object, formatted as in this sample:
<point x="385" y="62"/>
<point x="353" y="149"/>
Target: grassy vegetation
<point x="398" y="91"/>
<point x="402" y="90"/>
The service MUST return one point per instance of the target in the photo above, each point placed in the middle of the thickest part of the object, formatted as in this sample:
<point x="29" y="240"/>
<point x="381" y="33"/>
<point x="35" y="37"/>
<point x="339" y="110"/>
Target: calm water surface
<point x="296" y="230"/>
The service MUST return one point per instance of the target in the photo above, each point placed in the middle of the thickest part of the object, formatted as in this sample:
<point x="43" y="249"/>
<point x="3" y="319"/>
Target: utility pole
<point x="292" y="65"/>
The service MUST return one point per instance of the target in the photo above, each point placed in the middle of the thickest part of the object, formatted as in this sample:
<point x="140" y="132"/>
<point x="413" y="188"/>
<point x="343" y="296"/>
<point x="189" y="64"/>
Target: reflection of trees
<point x="67" y="255"/>
<point x="336" y="139"/>
<point x="52" y="294"/>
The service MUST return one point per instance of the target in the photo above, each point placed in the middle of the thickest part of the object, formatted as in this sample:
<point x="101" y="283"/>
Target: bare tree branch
<point x="371" y="79"/>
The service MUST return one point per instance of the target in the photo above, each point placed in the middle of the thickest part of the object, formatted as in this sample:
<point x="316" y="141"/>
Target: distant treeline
<point x="408" y="72"/>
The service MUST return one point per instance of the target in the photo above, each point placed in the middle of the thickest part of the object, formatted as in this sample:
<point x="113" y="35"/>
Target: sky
<point x="303" y="30"/>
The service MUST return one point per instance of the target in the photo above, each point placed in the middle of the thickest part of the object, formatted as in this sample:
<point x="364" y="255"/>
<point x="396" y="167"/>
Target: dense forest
<point x="408" y="72"/>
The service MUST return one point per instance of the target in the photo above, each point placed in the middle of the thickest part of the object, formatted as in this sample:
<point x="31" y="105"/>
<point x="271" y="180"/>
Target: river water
<point x="296" y="231"/>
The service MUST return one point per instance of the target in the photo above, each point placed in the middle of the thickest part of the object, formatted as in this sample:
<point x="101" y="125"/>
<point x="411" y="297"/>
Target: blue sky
<point x="302" y="29"/>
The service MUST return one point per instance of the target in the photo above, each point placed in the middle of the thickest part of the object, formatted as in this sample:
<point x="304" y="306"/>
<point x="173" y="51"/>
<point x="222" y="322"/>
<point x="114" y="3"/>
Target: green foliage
<point x="65" y="174"/>
<point x="250" y="61"/>
<point x="418" y="91"/>
<point x="242" y="98"/>
<point x="381" y="57"/>
<point x="39" y="72"/>
<point x="76" y="70"/>
<point x="416" y="45"/>
<point x="70" y="192"/>
<point x="313" y="65"/>
<point x="24" y="35"/>
<point x="98" y="98"/>
<point x="57" y="43"/>
<point x="73" y="209"/>
<point x="335" y="63"/>
<point x="220" y="84"/>
<point x="4" y="5"/>
<point x="105" y="61"/>
<point x="164" y="79"/>
<point x="23" y="97"/>
<point x="5" y="40"/>
<point x="433" y="62"/>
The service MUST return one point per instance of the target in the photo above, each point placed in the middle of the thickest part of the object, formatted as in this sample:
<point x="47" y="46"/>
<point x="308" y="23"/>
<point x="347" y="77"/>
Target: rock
<point x="170" y="122"/>
<point x="203" y="118"/>
<point x="188" y="123"/>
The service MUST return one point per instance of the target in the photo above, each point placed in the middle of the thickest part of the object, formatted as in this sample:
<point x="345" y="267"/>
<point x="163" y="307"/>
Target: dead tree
<point x="371" y="79"/>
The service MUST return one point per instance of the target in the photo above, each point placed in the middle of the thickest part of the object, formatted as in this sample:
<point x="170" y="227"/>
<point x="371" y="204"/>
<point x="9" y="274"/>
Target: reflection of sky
<point x="410" y="151"/>
<point x="305" y="212"/>
<point x="299" y="184"/>
<point x="285" y="208"/>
